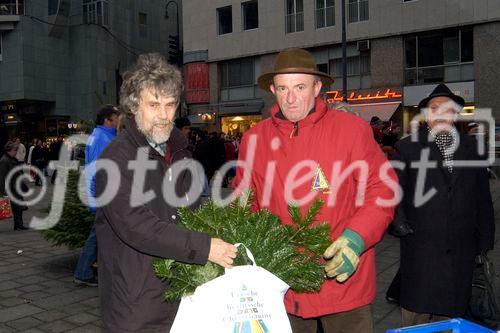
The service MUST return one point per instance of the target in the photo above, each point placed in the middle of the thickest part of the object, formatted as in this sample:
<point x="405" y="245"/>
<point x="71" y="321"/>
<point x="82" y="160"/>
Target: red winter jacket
<point x="331" y="140"/>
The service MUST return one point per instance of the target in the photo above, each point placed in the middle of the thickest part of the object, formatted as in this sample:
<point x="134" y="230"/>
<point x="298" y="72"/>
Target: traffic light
<point x="174" y="50"/>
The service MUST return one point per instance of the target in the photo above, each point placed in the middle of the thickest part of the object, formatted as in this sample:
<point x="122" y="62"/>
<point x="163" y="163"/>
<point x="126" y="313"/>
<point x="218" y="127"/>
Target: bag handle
<point x="249" y="254"/>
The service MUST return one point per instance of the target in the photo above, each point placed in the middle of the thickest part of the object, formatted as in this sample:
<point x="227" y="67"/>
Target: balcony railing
<point x="442" y="73"/>
<point x="13" y="7"/>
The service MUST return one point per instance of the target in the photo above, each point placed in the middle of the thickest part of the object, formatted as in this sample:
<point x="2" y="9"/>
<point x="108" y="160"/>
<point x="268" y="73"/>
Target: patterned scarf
<point x="446" y="142"/>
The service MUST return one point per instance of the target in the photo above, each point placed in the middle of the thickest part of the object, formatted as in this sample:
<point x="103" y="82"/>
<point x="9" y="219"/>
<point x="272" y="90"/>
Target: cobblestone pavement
<point x="37" y="293"/>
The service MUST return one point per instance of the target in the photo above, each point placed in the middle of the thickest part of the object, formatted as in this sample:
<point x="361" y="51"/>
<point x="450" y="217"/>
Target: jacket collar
<point x="176" y="142"/>
<point x="312" y="118"/>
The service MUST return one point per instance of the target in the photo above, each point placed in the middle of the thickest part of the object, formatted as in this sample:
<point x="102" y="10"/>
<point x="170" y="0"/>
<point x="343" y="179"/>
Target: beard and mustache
<point x="158" y="131"/>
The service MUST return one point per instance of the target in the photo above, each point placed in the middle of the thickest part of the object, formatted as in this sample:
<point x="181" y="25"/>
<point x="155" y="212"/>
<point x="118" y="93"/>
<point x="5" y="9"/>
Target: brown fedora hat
<point x="293" y="61"/>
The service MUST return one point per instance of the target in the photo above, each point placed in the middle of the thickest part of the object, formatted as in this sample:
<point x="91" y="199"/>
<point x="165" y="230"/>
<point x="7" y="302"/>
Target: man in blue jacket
<point x="103" y="134"/>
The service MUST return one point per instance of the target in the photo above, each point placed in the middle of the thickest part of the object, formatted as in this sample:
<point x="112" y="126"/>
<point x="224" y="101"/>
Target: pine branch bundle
<point x="76" y="220"/>
<point x="292" y="253"/>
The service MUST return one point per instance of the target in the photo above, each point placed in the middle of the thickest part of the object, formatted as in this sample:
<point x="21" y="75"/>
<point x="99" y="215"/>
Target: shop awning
<point x="382" y="110"/>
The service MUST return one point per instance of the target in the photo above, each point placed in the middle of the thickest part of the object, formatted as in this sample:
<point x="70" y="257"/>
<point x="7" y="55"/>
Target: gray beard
<point x="150" y="134"/>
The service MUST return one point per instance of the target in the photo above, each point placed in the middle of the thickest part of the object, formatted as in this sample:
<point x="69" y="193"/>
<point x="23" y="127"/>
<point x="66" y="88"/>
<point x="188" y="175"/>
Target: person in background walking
<point x="103" y="134"/>
<point x="38" y="161"/>
<point x="184" y="125"/>
<point x="55" y="148"/>
<point x="21" y="150"/>
<point x="7" y="163"/>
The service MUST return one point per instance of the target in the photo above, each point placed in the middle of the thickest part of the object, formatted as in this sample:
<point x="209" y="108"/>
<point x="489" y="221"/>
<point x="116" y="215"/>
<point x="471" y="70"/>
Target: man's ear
<point x="271" y="87"/>
<point x="317" y="88"/>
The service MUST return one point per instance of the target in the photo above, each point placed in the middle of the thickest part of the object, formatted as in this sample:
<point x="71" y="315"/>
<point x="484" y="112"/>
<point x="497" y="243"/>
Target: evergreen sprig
<point x="76" y="220"/>
<point x="292" y="253"/>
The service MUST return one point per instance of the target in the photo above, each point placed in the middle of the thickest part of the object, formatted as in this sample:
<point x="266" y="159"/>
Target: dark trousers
<point x="410" y="318"/>
<point x="88" y="256"/>
<point x="359" y="320"/>
<point x="17" y="212"/>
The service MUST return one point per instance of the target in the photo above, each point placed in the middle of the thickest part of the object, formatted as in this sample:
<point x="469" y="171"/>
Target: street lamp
<point x="176" y="13"/>
<point x="174" y="49"/>
<point x="344" y="54"/>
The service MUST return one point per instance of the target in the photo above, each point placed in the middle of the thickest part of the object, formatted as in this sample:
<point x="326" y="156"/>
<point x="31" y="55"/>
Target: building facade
<point x="61" y="60"/>
<point x="397" y="52"/>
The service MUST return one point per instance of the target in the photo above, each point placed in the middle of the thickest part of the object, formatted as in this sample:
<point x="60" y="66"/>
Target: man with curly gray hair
<point x="137" y="225"/>
<point x="153" y="81"/>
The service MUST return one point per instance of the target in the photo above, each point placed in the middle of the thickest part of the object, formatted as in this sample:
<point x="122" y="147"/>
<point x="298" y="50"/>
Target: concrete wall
<point x="387" y="62"/>
<point x="267" y="64"/>
<point x="11" y="67"/>
<point x="98" y="54"/>
<point x="487" y="66"/>
<point x="387" y="18"/>
<point x="76" y="71"/>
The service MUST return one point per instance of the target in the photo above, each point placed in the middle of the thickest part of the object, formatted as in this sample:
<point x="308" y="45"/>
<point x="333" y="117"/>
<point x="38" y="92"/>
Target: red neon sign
<point x="336" y="96"/>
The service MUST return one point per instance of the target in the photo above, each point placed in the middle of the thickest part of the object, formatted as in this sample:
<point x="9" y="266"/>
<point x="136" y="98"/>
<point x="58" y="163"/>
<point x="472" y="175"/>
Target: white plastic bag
<point x="246" y="299"/>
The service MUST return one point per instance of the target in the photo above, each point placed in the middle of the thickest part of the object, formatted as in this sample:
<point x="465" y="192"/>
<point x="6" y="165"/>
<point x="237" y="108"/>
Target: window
<point x="358" y="11"/>
<point x="250" y="15"/>
<point x="1" y="46"/>
<point x="238" y="79"/>
<point x="325" y="13"/>
<point x="237" y="73"/>
<point x="322" y="68"/>
<point x="12" y="7"/>
<point x="358" y="71"/>
<point x="357" y="65"/>
<point x="439" y="56"/>
<point x="225" y="19"/>
<point x="466" y="46"/>
<point x="53" y="7"/>
<point x="143" y="24"/>
<point x="96" y="12"/>
<point x="294" y="19"/>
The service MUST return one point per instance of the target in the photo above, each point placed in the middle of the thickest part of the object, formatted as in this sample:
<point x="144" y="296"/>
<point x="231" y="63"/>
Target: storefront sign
<point x="196" y="79"/>
<point x="381" y="95"/>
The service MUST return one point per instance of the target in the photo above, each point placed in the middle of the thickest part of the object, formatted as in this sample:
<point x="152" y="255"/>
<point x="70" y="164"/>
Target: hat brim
<point x="457" y="99"/>
<point x="266" y="80"/>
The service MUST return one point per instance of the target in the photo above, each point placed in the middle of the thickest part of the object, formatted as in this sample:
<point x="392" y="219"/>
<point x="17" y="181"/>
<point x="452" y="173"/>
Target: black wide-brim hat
<point x="441" y="90"/>
<point x="293" y="61"/>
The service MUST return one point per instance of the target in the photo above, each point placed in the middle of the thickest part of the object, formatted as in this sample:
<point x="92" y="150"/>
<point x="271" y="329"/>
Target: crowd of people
<point x="212" y="149"/>
<point x="440" y="237"/>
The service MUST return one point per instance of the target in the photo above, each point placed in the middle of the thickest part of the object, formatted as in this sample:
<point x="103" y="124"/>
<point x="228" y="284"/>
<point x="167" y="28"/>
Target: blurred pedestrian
<point x="55" y="149"/>
<point x="7" y="163"/>
<point x="184" y="125"/>
<point x="38" y="159"/>
<point x="21" y="150"/>
<point x="101" y="137"/>
<point x="229" y="155"/>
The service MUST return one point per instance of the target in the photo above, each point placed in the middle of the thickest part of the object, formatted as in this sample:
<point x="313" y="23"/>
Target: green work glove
<point x="343" y="255"/>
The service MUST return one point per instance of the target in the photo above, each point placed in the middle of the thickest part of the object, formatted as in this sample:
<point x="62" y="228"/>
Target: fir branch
<point x="289" y="252"/>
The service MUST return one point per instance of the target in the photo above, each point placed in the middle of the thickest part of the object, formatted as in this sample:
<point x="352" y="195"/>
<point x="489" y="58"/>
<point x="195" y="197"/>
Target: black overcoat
<point x="451" y="227"/>
<point x="7" y="163"/>
<point x="130" y="238"/>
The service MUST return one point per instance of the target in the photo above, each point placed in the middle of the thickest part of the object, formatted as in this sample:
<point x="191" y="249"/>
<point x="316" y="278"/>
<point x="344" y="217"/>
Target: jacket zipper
<point x="295" y="130"/>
